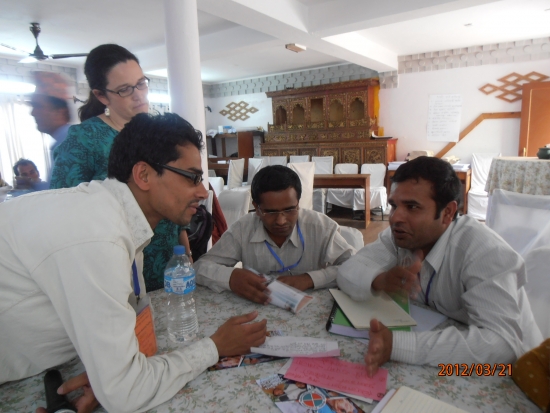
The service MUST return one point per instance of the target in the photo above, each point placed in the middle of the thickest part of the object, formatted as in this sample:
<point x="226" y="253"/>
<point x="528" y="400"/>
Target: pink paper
<point x="338" y="375"/>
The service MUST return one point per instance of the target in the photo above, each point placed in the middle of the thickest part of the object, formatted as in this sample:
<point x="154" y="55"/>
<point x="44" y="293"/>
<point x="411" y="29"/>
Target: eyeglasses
<point x="196" y="178"/>
<point x="285" y="212"/>
<point x="129" y="90"/>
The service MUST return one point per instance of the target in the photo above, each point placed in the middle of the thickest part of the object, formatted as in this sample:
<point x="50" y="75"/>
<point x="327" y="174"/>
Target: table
<point x="235" y="390"/>
<point x="346" y="181"/>
<point x="519" y="174"/>
<point x="464" y="176"/>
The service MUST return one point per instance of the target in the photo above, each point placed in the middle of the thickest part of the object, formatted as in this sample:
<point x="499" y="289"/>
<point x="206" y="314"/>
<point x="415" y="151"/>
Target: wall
<point x="261" y="118"/>
<point x="404" y="110"/>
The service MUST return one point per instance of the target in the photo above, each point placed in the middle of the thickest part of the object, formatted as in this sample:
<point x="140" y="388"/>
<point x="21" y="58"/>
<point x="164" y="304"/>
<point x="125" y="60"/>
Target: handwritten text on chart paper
<point x="339" y="375"/>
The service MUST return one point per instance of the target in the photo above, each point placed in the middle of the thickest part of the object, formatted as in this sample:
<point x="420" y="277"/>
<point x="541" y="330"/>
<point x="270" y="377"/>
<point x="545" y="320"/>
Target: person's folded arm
<point x="89" y="285"/>
<point x="355" y="276"/>
<point x="492" y="303"/>
<point x="214" y="268"/>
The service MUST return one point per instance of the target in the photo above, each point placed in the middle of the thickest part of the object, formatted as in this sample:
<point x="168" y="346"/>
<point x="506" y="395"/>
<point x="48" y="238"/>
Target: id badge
<point x="145" y="327"/>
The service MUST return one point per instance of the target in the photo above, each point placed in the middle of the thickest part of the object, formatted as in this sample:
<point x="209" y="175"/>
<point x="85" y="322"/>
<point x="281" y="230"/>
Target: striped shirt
<point x="478" y="281"/>
<point x="324" y="249"/>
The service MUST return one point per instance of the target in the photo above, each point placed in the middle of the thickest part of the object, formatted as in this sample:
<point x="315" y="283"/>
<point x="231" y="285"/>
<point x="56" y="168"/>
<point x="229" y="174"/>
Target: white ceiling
<point x="245" y="38"/>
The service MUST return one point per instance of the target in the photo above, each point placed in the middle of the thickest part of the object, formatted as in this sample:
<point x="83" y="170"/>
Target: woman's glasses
<point x="129" y="90"/>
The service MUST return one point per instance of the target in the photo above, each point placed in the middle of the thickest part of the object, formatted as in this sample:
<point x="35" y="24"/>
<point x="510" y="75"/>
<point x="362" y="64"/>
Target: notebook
<point x="407" y="400"/>
<point x="381" y="307"/>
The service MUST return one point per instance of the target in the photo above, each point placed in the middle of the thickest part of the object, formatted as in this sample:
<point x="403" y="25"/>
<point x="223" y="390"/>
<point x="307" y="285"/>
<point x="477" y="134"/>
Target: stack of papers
<point x="298" y="347"/>
<point x="392" y="166"/>
<point x="462" y="167"/>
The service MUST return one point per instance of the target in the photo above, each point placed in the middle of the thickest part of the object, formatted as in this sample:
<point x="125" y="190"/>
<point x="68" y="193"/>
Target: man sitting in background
<point x="27" y="176"/>
<point x="302" y="247"/>
<point x="72" y="276"/>
<point x="456" y="266"/>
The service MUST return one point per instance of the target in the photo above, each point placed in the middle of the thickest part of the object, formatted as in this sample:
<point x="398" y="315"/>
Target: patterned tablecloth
<point x="235" y="390"/>
<point x="519" y="174"/>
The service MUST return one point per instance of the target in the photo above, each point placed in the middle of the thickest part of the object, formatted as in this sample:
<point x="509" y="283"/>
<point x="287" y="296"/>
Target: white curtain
<point x="19" y="138"/>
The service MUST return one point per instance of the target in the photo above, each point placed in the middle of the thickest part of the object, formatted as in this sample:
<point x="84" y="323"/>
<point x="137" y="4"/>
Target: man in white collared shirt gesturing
<point x="302" y="247"/>
<point x="456" y="266"/>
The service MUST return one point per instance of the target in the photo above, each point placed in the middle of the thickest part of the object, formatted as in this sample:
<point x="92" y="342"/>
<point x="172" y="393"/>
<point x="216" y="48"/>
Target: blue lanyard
<point x="137" y="289"/>
<point x="284" y="269"/>
<point x="428" y="287"/>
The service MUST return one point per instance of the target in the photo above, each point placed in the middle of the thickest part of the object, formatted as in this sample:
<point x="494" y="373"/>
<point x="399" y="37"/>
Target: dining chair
<point x="305" y="171"/>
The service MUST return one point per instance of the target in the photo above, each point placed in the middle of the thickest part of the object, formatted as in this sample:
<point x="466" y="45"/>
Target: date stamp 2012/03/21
<point x="478" y="369"/>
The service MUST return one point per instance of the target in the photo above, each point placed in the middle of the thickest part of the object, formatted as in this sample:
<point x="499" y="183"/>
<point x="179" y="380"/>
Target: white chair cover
<point x="342" y="197"/>
<point x="305" y="171"/>
<point x="477" y="197"/>
<point x="278" y="160"/>
<point x="235" y="174"/>
<point x="254" y="165"/>
<point x="217" y="184"/>
<point x="537" y="263"/>
<point x="378" y="192"/>
<point x="522" y="220"/>
<point x="299" y="158"/>
<point x="323" y="165"/>
<point x="353" y="237"/>
<point x="211" y="173"/>
<point x="234" y="204"/>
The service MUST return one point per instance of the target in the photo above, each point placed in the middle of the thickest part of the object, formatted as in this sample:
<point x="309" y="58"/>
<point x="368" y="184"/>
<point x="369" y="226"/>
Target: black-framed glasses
<point x="129" y="90"/>
<point x="285" y="212"/>
<point x="196" y="178"/>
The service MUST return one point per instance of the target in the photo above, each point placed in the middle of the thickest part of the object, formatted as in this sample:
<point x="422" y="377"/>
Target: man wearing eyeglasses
<point x="68" y="284"/>
<point x="303" y="248"/>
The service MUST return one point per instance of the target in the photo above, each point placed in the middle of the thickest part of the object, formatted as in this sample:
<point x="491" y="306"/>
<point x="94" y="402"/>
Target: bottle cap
<point x="179" y="250"/>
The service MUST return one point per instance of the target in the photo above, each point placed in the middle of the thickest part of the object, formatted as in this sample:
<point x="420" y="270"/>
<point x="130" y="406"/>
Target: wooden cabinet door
<point x="535" y="118"/>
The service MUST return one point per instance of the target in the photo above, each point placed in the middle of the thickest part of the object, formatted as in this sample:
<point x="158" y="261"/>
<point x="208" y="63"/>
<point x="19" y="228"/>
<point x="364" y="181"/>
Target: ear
<point x="449" y="212"/>
<point x="100" y="96"/>
<point x="141" y="173"/>
<point x="256" y="208"/>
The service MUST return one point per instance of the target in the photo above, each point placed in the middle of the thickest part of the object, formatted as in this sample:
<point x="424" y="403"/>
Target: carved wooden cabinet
<point x="328" y="120"/>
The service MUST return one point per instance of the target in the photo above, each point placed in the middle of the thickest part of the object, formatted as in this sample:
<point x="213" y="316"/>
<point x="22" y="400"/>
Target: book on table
<point x="338" y="323"/>
<point x="380" y="306"/>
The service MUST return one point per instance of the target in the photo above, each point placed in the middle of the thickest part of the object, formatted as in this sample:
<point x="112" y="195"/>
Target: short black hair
<point x="445" y="182"/>
<point x="153" y="139"/>
<point x="23" y="162"/>
<point x="274" y="178"/>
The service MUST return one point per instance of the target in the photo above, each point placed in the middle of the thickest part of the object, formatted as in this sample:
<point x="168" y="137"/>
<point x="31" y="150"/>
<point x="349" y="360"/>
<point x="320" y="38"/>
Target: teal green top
<point x="83" y="157"/>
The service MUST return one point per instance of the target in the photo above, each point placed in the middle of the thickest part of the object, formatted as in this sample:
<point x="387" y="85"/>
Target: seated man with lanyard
<point x="301" y="246"/>
<point x="456" y="266"/>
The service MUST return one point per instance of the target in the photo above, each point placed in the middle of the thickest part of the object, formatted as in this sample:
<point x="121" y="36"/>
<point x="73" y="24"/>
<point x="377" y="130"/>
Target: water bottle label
<point x="184" y="285"/>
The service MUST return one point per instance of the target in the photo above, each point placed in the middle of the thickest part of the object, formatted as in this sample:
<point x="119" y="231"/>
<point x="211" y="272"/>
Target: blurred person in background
<point x="118" y="92"/>
<point x="27" y="176"/>
<point x="50" y="107"/>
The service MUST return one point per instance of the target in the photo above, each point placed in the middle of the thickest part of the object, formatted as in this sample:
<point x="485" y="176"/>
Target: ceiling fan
<point x="38" y="54"/>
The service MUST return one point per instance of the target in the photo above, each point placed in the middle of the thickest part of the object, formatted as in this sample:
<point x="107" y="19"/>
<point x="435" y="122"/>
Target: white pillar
<point x="184" y="66"/>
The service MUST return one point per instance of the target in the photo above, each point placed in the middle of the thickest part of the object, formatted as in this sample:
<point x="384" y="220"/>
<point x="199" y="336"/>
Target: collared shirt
<point x="478" y="281"/>
<point x="83" y="157"/>
<point x="325" y="248"/>
<point x="65" y="289"/>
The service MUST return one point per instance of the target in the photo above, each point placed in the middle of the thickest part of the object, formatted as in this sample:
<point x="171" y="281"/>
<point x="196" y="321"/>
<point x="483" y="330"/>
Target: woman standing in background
<point x="118" y="91"/>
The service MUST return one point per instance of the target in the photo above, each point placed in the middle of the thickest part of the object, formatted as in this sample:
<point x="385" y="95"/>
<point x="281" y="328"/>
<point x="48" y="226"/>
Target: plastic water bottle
<point x="179" y="283"/>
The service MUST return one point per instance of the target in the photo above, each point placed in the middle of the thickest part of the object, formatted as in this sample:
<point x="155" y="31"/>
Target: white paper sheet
<point x="444" y="112"/>
<point x="298" y="347"/>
